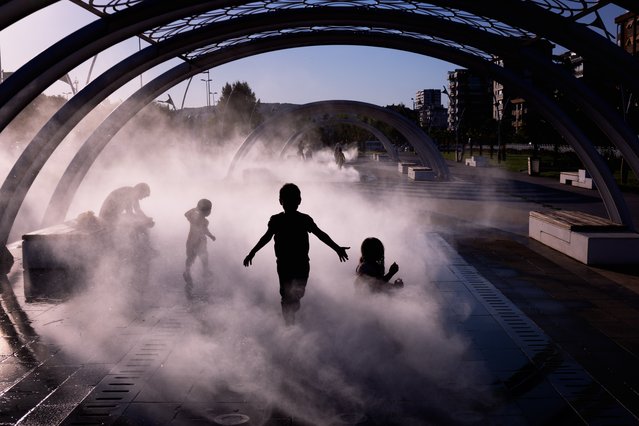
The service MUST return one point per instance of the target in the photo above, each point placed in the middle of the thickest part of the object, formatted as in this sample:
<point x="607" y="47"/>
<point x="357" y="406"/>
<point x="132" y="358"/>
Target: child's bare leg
<point x="204" y="258"/>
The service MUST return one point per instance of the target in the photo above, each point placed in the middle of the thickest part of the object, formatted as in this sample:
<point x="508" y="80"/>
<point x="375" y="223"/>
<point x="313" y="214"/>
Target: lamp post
<point x="458" y="118"/>
<point x="207" y="81"/>
<point x="500" y="117"/>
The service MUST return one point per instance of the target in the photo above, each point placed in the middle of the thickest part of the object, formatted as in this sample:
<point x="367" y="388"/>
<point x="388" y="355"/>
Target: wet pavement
<point x="554" y="339"/>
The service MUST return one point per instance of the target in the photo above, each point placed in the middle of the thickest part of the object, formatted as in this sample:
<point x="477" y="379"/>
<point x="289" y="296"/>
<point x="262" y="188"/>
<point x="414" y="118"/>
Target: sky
<point x="374" y="75"/>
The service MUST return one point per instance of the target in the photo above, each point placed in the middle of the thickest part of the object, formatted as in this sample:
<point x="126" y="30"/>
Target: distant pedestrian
<point x="340" y="159"/>
<point x="290" y="229"/>
<point x="371" y="273"/>
<point x="196" y="241"/>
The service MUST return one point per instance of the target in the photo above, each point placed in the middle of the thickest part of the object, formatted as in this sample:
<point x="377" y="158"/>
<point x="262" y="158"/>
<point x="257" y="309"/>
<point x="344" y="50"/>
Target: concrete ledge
<point x="589" y="239"/>
<point x="403" y="167"/>
<point x="380" y="157"/>
<point x="477" y="161"/>
<point x="579" y="178"/>
<point x="421" y="173"/>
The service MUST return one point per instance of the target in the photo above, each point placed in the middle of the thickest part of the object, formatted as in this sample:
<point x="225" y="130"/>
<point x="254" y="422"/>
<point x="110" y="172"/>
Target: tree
<point x="238" y="108"/>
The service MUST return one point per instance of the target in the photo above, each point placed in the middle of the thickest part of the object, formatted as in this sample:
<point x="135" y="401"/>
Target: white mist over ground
<point x="347" y="353"/>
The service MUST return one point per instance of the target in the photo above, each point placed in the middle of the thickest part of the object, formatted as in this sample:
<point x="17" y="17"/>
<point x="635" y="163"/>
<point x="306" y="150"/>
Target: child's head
<point x="372" y="250"/>
<point x="290" y="197"/>
<point x="204" y="206"/>
<point x="142" y="190"/>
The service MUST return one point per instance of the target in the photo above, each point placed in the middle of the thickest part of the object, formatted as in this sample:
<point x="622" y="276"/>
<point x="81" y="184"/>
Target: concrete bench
<point x="380" y="156"/>
<point x="589" y="239"/>
<point x="579" y="178"/>
<point x="421" y="173"/>
<point x="477" y="161"/>
<point x="56" y="259"/>
<point x="402" y="167"/>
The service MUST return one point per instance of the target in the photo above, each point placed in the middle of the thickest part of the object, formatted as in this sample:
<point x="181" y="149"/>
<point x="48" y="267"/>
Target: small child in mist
<point x="290" y="229"/>
<point x="196" y="241"/>
<point x="371" y="271"/>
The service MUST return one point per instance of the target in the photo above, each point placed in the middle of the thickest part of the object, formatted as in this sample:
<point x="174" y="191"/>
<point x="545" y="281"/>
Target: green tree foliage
<point x="238" y="109"/>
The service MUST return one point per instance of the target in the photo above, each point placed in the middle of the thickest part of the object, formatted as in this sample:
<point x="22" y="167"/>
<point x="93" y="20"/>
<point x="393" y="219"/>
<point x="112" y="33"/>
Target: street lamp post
<point x="500" y="118"/>
<point x="458" y="152"/>
<point x="207" y="81"/>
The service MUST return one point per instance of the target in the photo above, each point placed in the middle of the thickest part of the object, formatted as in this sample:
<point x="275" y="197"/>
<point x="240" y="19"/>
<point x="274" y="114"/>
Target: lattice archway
<point x="465" y="32"/>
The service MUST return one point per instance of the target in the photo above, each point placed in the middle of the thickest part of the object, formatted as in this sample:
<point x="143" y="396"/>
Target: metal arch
<point x="424" y="146"/>
<point x="12" y="11"/>
<point x="629" y="136"/>
<point x="25" y="84"/>
<point x="563" y="31"/>
<point x="611" y="196"/>
<point x="41" y="152"/>
<point x="135" y="17"/>
<point x="386" y="143"/>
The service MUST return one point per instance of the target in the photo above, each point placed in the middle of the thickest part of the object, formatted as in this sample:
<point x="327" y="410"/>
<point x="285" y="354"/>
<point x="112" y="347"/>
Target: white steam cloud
<point x="348" y="353"/>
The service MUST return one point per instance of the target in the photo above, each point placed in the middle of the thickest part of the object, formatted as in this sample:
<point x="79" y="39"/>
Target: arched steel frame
<point x="610" y="193"/>
<point x="35" y="76"/>
<point x="331" y="121"/>
<point x="424" y="146"/>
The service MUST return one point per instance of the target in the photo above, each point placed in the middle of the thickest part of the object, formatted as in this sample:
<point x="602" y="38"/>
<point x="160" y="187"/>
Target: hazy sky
<point x="374" y="75"/>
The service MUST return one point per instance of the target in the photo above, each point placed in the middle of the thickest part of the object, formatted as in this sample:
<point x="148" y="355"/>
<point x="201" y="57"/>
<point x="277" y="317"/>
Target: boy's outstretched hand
<point x="248" y="260"/>
<point x="341" y="252"/>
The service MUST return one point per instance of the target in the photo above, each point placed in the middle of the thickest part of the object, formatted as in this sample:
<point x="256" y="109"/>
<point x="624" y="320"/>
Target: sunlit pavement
<point x="553" y="340"/>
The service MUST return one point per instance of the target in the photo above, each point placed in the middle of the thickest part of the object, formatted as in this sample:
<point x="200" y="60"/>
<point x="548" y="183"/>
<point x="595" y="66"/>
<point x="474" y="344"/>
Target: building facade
<point x="628" y="32"/>
<point x="431" y="112"/>
<point x="470" y="99"/>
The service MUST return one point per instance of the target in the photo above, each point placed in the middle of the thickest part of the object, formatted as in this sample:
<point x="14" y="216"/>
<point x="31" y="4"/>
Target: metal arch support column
<point x="424" y="146"/>
<point x="358" y="123"/>
<point x="612" y="198"/>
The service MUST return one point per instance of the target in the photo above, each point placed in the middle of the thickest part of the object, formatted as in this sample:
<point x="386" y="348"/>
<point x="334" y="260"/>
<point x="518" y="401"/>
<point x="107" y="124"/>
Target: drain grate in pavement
<point x="587" y="397"/>
<point x="111" y="397"/>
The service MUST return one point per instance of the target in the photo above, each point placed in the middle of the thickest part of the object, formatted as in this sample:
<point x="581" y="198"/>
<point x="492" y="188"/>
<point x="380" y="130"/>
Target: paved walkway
<point x="541" y="339"/>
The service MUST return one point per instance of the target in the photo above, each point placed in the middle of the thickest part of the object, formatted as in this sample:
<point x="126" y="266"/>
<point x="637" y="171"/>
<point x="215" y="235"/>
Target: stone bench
<point x="380" y="156"/>
<point x="477" y="161"/>
<point x="403" y="167"/>
<point x="579" y="178"/>
<point x="56" y="259"/>
<point x="589" y="239"/>
<point x="421" y="173"/>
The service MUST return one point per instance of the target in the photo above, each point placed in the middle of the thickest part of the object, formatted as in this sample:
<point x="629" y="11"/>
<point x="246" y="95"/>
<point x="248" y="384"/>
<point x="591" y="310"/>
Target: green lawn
<point x="550" y="166"/>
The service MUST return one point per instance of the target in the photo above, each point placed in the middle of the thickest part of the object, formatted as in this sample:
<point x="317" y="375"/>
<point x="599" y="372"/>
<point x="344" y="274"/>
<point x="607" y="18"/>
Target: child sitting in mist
<point x="290" y="229"/>
<point x="371" y="272"/>
<point x="196" y="241"/>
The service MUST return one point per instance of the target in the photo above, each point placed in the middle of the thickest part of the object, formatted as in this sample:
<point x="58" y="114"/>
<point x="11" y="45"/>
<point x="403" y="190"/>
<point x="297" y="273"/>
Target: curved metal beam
<point x="611" y="196"/>
<point x="26" y="83"/>
<point x="617" y="131"/>
<point x="14" y="10"/>
<point x="425" y="148"/>
<point x="565" y="32"/>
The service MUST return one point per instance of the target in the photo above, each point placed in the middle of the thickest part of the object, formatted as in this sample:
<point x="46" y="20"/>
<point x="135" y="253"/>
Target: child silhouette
<point x="290" y="229"/>
<point x="371" y="272"/>
<point x="196" y="241"/>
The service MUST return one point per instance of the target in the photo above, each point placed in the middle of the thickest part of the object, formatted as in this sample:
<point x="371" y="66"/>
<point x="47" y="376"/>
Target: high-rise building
<point x="628" y="32"/>
<point x="428" y="97"/>
<point x="431" y="112"/>
<point x="470" y="99"/>
<point x="508" y="105"/>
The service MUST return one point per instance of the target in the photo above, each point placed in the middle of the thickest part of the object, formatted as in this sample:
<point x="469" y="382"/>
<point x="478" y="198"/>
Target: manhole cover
<point x="231" y="419"/>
